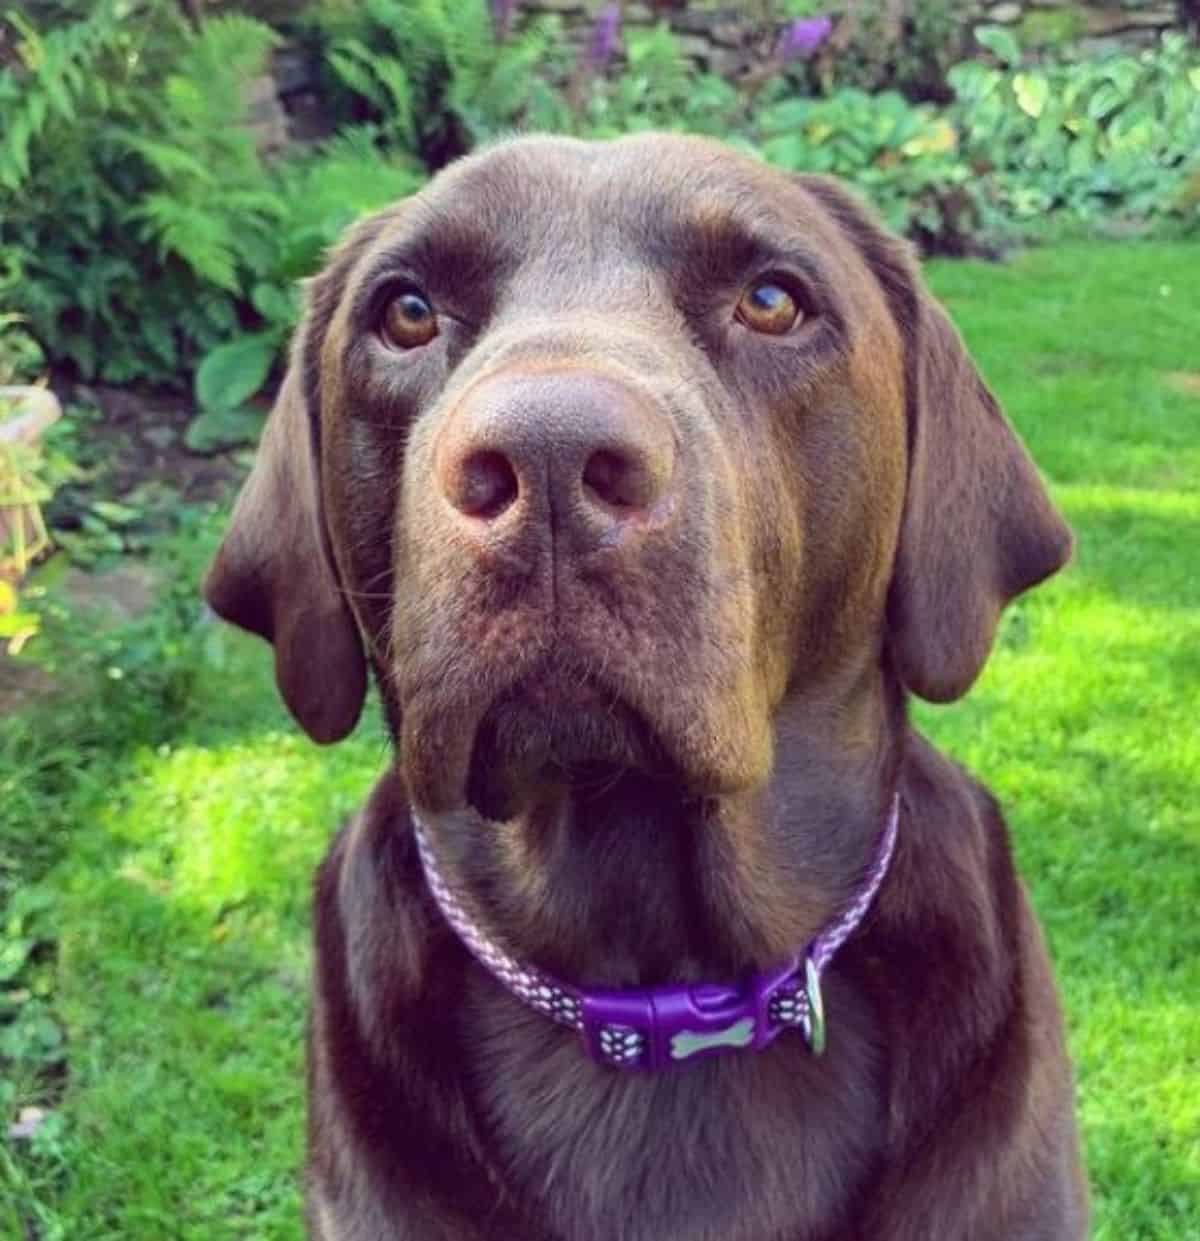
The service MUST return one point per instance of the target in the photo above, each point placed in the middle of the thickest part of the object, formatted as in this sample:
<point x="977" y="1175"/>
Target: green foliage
<point x="881" y="46"/>
<point x="86" y="523"/>
<point x="1113" y="137"/>
<point x="431" y="73"/>
<point x="131" y="200"/>
<point x="139" y="228"/>
<point x="901" y="155"/>
<point x="658" y="88"/>
<point x="1111" y="141"/>
<point x="21" y="357"/>
<point x="207" y="204"/>
<point x="234" y="372"/>
<point x="142" y="236"/>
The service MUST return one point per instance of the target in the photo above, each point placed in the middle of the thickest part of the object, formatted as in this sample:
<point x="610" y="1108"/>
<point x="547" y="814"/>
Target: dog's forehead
<point x="649" y="198"/>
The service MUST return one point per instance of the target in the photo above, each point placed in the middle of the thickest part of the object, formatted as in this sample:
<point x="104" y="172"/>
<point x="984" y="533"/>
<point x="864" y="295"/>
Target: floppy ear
<point x="272" y="576"/>
<point x="978" y="527"/>
<point x="275" y="574"/>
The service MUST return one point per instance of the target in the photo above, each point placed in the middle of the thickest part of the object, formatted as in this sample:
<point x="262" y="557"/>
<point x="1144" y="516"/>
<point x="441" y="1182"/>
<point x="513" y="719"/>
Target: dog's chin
<point x="530" y="741"/>
<point x="555" y="725"/>
<point x="552" y="726"/>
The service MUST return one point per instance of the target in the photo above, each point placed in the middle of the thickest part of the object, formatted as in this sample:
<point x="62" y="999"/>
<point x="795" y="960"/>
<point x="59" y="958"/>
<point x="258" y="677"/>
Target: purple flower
<point x="502" y="15"/>
<point x="803" y="38"/>
<point x="605" y="35"/>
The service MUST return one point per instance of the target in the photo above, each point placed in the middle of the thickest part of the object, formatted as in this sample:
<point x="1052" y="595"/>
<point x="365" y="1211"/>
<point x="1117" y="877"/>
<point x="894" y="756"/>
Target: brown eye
<point x="768" y="308"/>
<point x="409" y="321"/>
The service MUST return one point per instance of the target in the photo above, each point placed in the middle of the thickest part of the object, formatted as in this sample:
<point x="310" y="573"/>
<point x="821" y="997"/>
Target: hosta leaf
<point x="1107" y="99"/>
<point x="1000" y="42"/>
<point x="1032" y="90"/>
<point x="274" y="304"/>
<point x="235" y="371"/>
<point x="217" y="429"/>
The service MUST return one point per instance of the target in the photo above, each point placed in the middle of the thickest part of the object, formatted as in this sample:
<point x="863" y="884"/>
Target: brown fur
<point x="653" y="739"/>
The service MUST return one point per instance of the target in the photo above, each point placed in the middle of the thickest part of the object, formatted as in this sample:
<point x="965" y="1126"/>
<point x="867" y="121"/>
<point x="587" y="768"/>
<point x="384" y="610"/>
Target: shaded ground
<point x="139" y="441"/>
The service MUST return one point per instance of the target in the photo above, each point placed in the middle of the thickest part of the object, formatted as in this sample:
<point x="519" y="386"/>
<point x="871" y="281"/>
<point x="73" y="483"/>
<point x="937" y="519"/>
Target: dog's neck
<point x="629" y="881"/>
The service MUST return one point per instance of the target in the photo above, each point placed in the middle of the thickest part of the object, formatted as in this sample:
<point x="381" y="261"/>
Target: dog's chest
<point x="739" y="1148"/>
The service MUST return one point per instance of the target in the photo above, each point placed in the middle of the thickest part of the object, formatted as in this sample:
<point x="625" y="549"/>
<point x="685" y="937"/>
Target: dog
<point x="648" y="482"/>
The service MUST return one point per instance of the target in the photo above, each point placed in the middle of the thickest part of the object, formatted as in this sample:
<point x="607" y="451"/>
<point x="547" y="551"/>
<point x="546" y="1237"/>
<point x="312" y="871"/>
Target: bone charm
<point x="687" y="1043"/>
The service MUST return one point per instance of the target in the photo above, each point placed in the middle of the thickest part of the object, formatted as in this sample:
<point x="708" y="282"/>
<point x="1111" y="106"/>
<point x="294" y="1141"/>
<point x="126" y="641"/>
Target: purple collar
<point x="657" y="1027"/>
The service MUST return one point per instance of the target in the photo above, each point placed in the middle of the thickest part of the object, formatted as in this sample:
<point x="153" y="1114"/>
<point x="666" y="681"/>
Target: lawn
<point x="158" y="833"/>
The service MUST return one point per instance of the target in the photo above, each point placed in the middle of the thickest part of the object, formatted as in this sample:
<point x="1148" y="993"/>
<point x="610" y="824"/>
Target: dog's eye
<point x="769" y="308"/>
<point x="409" y="321"/>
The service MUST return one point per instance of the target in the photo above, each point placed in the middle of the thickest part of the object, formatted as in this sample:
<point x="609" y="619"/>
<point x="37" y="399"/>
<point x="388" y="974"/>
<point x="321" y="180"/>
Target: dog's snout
<point x="581" y="452"/>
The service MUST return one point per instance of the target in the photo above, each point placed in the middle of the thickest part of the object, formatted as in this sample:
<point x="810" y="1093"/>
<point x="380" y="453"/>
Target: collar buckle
<point x="659" y="1027"/>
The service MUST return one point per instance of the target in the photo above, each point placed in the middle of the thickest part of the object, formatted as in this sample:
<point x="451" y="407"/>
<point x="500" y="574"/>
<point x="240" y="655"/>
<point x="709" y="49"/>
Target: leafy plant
<point x="132" y="203"/>
<point x="903" y="156"/>
<point x="1114" y="139"/>
<point x="658" y="88"/>
<point x="904" y="45"/>
<point x="1115" y="136"/>
<point x="434" y="76"/>
<point x="21" y="357"/>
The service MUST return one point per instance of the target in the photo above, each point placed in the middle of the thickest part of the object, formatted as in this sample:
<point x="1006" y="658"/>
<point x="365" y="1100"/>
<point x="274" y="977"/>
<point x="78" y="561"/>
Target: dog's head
<point x="598" y="452"/>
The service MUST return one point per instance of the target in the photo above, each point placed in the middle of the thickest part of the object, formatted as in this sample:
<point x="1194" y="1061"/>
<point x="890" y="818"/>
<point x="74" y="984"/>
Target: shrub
<point x="131" y="201"/>
<point x="436" y="75"/>
<point x="1117" y="136"/>
<point x="140" y="230"/>
<point x="657" y="88"/>
<point x="902" y="156"/>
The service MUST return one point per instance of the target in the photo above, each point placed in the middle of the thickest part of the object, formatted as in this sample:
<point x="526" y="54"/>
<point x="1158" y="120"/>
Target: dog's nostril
<point x="486" y="485"/>
<point x="618" y="481"/>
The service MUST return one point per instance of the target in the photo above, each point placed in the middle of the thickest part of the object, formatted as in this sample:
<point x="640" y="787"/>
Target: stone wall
<point x="1094" y="26"/>
<point x="730" y="40"/>
<point x="725" y="41"/>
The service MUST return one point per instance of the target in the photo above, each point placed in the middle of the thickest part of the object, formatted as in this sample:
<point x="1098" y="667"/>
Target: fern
<point x="494" y="88"/>
<point x="201" y="238"/>
<point x="227" y="50"/>
<point x="381" y="80"/>
<point x="121" y="147"/>
<point x="430" y="73"/>
<point x="56" y="69"/>
<point x="168" y="159"/>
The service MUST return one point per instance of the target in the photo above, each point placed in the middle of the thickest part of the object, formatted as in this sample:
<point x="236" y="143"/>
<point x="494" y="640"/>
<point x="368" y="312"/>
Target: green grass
<point x="156" y="844"/>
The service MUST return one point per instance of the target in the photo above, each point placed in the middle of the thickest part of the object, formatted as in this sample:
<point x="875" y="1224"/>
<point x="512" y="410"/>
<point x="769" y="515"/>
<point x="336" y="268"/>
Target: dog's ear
<point x="978" y="527"/>
<point x="273" y="573"/>
<point x="272" y="576"/>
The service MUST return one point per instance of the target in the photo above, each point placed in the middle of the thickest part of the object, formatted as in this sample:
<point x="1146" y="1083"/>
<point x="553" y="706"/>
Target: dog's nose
<point x="582" y="451"/>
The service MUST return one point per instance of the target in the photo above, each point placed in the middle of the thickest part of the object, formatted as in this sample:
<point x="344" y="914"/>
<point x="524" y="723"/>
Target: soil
<point x="142" y="439"/>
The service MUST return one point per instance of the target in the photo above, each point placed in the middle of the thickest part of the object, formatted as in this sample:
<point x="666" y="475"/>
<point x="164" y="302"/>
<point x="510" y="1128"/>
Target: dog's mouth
<point x="557" y="725"/>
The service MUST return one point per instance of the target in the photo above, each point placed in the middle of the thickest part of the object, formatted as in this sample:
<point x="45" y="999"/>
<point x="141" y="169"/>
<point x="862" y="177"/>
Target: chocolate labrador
<point x="648" y="481"/>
